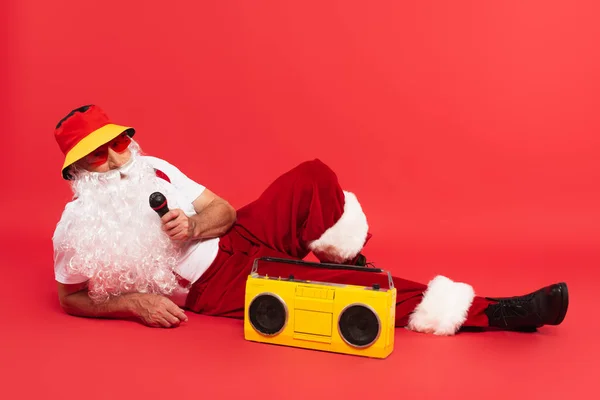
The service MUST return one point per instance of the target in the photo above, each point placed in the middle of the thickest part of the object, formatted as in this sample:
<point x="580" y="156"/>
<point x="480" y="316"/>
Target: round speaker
<point x="359" y="325"/>
<point x="268" y="314"/>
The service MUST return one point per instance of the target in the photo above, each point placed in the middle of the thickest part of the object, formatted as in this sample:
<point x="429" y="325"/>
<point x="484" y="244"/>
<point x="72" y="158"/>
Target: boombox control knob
<point x="291" y="277"/>
<point x="376" y="286"/>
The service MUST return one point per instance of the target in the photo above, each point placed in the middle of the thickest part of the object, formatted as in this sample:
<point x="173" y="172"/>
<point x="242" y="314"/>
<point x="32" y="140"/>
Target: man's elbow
<point x="66" y="305"/>
<point x="232" y="215"/>
<point x="68" y="296"/>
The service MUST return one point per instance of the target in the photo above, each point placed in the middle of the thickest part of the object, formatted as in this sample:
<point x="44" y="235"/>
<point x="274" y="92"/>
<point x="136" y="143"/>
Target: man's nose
<point x="116" y="160"/>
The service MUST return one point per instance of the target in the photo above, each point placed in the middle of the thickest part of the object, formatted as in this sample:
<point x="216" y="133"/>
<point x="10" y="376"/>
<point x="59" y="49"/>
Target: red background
<point x="468" y="129"/>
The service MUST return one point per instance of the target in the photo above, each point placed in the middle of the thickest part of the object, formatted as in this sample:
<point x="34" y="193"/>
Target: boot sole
<point x="564" y="291"/>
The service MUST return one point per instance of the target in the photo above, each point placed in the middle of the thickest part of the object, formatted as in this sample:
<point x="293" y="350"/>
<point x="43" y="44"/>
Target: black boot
<point x="547" y="306"/>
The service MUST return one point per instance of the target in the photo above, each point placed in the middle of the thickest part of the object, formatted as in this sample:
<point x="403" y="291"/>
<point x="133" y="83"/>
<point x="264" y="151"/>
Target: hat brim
<point x="91" y="142"/>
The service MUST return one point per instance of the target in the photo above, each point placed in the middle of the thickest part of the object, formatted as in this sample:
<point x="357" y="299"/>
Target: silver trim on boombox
<point x="254" y="273"/>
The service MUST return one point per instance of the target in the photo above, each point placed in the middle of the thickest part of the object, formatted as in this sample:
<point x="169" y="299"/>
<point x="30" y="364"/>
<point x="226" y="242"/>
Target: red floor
<point x="47" y="354"/>
<point x="469" y="130"/>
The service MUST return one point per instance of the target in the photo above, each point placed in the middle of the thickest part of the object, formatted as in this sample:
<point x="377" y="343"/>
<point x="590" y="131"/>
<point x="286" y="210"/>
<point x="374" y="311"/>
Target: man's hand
<point x="178" y="226"/>
<point x="157" y="311"/>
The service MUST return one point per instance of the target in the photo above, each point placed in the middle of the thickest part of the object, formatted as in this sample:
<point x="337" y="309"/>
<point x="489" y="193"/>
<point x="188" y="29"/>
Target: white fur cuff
<point x="346" y="238"/>
<point x="444" y="307"/>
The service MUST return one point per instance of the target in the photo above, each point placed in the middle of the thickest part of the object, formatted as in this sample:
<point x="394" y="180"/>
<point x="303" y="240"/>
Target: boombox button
<point x="376" y="286"/>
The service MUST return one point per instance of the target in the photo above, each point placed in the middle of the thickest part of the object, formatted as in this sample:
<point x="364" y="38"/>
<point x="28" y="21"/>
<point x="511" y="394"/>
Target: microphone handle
<point x="162" y="210"/>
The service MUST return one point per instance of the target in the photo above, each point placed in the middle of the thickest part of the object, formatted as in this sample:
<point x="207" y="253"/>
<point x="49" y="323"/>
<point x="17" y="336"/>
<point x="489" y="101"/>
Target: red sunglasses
<point x="100" y="155"/>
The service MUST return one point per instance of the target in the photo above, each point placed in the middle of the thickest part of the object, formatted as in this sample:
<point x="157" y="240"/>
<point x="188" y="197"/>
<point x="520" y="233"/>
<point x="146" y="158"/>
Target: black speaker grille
<point x="268" y="314"/>
<point x="359" y="325"/>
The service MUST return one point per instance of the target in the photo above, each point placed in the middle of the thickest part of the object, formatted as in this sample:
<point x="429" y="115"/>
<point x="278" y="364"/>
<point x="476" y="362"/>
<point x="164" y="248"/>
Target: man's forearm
<point x="81" y="305"/>
<point x="151" y="309"/>
<point x="213" y="221"/>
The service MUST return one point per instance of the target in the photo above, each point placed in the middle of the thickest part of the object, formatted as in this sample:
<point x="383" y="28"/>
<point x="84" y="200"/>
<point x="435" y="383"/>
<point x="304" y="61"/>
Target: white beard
<point x="115" y="237"/>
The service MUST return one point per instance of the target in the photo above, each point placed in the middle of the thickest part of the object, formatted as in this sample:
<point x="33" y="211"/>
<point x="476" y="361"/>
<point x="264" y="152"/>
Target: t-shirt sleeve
<point x="62" y="258"/>
<point x="61" y="271"/>
<point x="191" y="189"/>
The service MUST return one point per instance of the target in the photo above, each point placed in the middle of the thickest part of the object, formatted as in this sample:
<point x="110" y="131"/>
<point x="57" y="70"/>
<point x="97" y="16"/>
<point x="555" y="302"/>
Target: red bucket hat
<point x="82" y="131"/>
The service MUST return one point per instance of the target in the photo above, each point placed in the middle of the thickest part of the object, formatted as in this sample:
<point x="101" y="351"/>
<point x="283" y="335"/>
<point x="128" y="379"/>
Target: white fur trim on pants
<point x="346" y="238"/>
<point x="444" y="307"/>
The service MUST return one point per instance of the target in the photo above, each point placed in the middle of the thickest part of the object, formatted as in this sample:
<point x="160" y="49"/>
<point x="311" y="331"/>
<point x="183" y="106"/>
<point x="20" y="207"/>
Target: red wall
<point x="474" y="123"/>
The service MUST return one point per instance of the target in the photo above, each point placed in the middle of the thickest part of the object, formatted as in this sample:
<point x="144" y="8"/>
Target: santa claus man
<point x="116" y="258"/>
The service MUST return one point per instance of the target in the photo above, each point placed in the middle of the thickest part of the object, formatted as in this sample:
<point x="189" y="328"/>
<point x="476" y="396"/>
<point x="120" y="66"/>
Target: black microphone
<point x="158" y="202"/>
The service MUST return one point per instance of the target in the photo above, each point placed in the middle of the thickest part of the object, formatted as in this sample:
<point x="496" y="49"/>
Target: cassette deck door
<point x="313" y="309"/>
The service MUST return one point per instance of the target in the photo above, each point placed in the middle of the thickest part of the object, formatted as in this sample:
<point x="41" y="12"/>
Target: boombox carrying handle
<point x="321" y="265"/>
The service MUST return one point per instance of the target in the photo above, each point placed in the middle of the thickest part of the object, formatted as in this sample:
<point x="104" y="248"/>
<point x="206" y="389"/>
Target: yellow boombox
<point x="332" y="317"/>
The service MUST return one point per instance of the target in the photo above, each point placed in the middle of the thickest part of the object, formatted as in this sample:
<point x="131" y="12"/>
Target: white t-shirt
<point x="197" y="256"/>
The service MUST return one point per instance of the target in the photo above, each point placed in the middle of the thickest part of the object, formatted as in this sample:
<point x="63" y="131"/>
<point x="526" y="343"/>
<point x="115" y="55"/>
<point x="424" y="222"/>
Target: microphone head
<point x="158" y="202"/>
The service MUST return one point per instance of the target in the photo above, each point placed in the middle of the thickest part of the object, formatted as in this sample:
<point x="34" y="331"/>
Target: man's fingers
<point x="171" y="215"/>
<point x="171" y="224"/>
<point x="163" y="322"/>
<point x="178" y="234"/>
<point x="173" y="320"/>
<point x="178" y="312"/>
<point x="180" y="237"/>
<point x="175" y="227"/>
<point x="175" y="233"/>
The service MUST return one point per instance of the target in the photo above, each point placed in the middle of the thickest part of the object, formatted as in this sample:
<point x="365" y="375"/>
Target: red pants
<point x="306" y="210"/>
